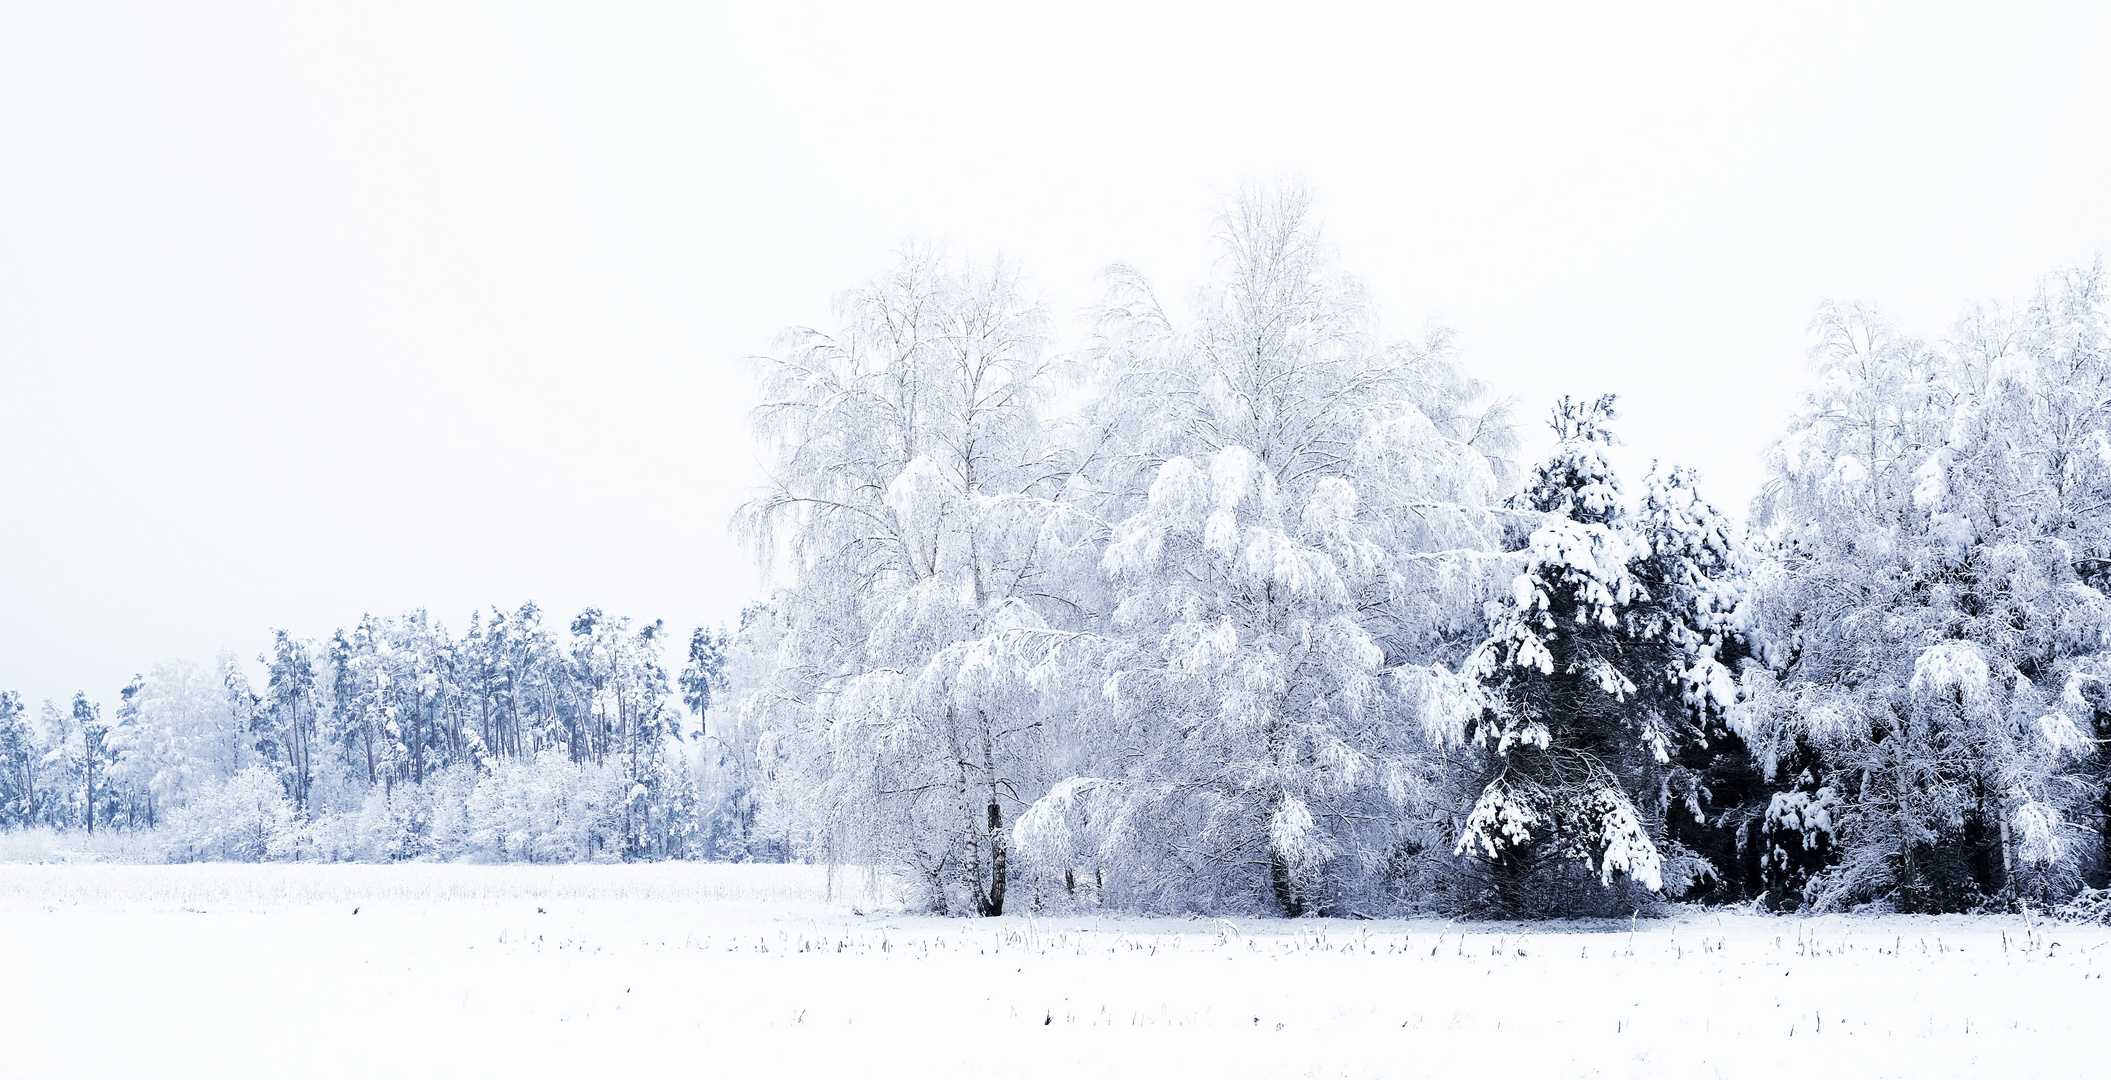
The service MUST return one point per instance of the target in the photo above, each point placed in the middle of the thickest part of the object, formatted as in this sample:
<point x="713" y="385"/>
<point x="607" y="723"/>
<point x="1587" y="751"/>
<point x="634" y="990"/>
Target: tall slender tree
<point x="919" y="507"/>
<point x="18" y="763"/>
<point x="290" y="696"/>
<point x="94" y="750"/>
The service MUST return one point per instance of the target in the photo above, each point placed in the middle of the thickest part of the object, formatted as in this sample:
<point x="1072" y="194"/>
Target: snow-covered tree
<point x="731" y="755"/>
<point x="238" y="727"/>
<point x="923" y="517"/>
<point x="704" y="675"/>
<point x="18" y="763"/>
<point x="1300" y="529"/>
<point x="290" y="704"/>
<point x="245" y="818"/>
<point x="1604" y="663"/>
<point x="120" y="802"/>
<point x="1938" y="520"/>
<point x="94" y="753"/>
<point x="1700" y="572"/>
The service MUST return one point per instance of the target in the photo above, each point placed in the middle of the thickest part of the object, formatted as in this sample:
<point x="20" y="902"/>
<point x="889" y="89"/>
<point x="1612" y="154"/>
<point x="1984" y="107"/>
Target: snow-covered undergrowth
<point x="44" y="844"/>
<point x="251" y="886"/>
<point x="231" y="971"/>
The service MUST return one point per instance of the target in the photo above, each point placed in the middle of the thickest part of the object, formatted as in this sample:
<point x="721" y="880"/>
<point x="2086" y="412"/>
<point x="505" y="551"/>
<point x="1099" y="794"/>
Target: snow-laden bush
<point x="246" y="818"/>
<point x="545" y="809"/>
<point x="395" y="825"/>
<point x="2088" y="905"/>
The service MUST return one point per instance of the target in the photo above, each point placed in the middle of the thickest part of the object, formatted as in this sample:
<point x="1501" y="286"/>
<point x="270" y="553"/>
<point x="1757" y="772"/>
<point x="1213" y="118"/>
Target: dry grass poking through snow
<point x="752" y="971"/>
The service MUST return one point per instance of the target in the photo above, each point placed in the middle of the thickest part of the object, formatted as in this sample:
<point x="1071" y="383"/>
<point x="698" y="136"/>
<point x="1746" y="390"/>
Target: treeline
<point x="396" y="739"/>
<point x="1244" y="605"/>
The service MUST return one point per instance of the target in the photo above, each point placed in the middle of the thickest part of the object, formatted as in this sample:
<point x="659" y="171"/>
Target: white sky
<point x="307" y="312"/>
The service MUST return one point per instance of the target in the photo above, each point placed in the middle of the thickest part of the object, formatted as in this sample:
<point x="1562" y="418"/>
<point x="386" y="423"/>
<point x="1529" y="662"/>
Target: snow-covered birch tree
<point x="922" y="515"/>
<point x="1938" y="521"/>
<point x="1300" y="521"/>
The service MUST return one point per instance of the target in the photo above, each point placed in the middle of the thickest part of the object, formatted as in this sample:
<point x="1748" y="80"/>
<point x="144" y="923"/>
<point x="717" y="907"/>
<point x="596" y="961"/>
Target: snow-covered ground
<point x="229" y="971"/>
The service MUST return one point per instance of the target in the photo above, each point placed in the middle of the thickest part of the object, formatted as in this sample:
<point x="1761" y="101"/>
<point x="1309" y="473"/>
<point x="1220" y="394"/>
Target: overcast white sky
<point x="311" y="311"/>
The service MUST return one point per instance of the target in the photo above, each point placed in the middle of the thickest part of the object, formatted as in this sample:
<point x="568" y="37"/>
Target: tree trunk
<point x="970" y="837"/>
<point x="297" y="749"/>
<point x="2103" y="835"/>
<point x="1509" y="875"/>
<point x="1908" y="890"/>
<point x="994" y="905"/>
<point x="993" y="902"/>
<point x="1286" y="891"/>
<point x="417" y="734"/>
<point x="2008" y="880"/>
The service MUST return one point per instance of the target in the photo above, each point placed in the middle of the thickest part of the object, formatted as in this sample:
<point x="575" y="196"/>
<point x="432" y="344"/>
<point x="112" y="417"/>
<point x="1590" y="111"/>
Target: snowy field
<point x="686" y="969"/>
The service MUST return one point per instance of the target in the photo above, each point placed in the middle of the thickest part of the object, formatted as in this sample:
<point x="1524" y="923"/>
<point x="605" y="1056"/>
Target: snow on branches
<point x="1601" y="665"/>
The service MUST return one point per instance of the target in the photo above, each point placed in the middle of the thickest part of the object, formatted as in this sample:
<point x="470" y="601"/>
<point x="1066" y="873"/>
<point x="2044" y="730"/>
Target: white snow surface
<point x="265" y="970"/>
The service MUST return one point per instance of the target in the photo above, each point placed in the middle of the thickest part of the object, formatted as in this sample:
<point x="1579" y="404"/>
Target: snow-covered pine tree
<point x="124" y="798"/>
<point x="289" y="696"/>
<point x="1605" y="662"/>
<point x="91" y="747"/>
<point x="1698" y="575"/>
<point x="18" y="763"/>
<point x="238" y="727"/>
<point x="705" y="672"/>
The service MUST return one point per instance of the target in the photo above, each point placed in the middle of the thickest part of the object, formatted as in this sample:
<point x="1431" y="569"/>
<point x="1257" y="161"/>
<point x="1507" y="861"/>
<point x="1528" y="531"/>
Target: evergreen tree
<point x="94" y="752"/>
<point x="1602" y="666"/>
<point x="705" y="673"/>
<point x="239" y="729"/>
<point x="290" y="695"/>
<point x="18" y="763"/>
<point x="1698" y="571"/>
<point x="123" y="794"/>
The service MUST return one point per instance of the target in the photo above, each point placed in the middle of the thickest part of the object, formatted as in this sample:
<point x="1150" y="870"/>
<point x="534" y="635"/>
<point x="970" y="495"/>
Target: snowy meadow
<point x="842" y="541"/>
<point x="244" y="970"/>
